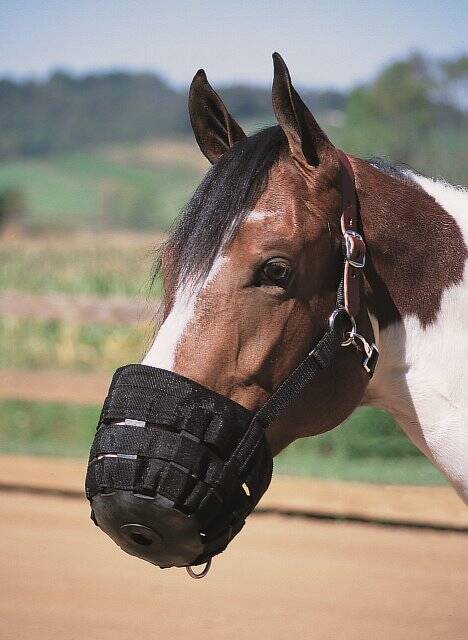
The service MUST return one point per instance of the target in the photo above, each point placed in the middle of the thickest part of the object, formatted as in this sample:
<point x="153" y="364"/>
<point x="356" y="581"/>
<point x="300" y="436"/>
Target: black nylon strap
<point x="290" y="389"/>
<point x="319" y="359"/>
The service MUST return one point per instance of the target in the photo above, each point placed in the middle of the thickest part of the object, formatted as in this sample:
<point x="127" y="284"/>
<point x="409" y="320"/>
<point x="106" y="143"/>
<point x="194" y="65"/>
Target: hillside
<point x="121" y="186"/>
<point x="115" y="149"/>
<point x="67" y="112"/>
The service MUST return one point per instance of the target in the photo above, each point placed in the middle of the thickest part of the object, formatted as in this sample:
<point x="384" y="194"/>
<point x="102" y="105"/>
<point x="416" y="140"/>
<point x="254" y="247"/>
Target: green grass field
<point x="96" y="191"/>
<point x="32" y="344"/>
<point x="94" y="264"/>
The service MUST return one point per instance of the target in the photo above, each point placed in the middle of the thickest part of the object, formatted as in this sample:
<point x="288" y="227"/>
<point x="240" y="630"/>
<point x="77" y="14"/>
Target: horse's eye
<point x="277" y="272"/>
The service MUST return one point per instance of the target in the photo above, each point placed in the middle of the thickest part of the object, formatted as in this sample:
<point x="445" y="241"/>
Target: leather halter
<point x="354" y="247"/>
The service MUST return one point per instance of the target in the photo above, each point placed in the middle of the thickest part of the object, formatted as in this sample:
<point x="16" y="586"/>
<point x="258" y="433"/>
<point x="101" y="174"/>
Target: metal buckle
<point x="370" y="361"/>
<point x="371" y="353"/>
<point x="355" y="258"/>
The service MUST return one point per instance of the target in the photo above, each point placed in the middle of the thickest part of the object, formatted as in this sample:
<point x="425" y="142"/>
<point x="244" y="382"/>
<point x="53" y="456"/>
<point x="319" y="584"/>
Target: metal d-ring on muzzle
<point x="174" y="469"/>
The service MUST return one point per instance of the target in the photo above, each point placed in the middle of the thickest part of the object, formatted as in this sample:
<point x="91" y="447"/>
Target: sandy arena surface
<point x="283" y="577"/>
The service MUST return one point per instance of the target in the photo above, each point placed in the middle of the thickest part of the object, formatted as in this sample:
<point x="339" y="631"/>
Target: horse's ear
<point x="307" y="142"/>
<point x="214" y="128"/>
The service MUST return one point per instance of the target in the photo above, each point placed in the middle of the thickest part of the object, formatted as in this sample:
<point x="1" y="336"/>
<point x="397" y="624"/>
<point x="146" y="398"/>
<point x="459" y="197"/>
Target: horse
<point x="252" y="268"/>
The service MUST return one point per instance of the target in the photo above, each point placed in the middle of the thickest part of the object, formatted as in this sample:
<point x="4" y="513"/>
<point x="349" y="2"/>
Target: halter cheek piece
<point x="354" y="253"/>
<point x="342" y="323"/>
<point x="175" y="468"/>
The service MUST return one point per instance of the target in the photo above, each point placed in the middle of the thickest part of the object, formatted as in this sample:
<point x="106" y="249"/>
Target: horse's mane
<point x="225" y="196"/>
<point x="398" y="170"/>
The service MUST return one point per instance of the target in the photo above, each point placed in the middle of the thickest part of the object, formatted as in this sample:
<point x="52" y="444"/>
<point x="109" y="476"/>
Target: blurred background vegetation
<point x="94" y="169"/>
<point x="82" y="150"/>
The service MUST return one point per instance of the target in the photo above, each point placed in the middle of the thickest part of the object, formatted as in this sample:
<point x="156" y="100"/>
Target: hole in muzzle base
<point x="140" y="539"/>
<point x="140" y="535"/>
<point x="148" y="529"/>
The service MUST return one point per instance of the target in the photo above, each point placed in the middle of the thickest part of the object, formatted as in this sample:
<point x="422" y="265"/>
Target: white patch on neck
<point x="453" y="199"/>
<point x="163" y="351"/>
<point x="422" y="375"/>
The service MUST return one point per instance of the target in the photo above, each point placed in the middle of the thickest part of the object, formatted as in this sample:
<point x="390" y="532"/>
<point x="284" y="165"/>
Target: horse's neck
<point x="417" y="237"/>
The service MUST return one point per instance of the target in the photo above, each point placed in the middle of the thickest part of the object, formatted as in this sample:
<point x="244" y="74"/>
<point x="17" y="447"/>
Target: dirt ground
<point x="426" y="506"/>
<point x="54" y="386"/>
<point x="283" y="577"/>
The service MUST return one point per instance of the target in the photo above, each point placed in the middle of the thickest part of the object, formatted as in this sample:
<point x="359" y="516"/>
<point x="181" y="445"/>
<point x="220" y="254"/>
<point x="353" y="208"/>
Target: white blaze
<point x="163" y="351"/>
<point x="259" y="215"/>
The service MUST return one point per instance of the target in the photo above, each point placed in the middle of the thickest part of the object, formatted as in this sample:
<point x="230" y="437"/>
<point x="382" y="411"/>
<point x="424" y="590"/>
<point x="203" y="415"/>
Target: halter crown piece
<point x="175" y="468"/>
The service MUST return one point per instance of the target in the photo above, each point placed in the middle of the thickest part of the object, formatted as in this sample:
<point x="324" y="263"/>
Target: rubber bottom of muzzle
<point x="148" y="530"/>
<point x="174" y="468"/>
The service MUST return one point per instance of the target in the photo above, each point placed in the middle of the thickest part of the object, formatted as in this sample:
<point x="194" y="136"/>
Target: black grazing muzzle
<point x="174" y="468"/>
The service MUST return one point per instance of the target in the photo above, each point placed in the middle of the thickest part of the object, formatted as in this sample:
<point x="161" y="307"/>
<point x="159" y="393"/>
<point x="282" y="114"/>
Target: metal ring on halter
<point x="202" y="574"/>
<point x="365" y="346"/>
<point x="341" y="311"/>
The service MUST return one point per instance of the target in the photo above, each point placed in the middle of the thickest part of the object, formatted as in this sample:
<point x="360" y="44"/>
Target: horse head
<point x="264" y="295"/>
<point x="252" y="269"/>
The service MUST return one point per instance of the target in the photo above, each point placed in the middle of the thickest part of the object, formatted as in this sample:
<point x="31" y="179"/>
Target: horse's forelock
<point x="219" y="205"/>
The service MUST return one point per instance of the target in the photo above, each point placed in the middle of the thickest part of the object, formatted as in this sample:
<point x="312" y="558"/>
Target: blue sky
<point x="324" y="43"/>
